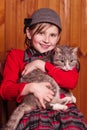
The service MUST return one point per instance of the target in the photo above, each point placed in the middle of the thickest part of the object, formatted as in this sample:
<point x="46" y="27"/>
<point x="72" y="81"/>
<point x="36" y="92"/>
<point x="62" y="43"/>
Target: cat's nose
<point x="66" y="69"/>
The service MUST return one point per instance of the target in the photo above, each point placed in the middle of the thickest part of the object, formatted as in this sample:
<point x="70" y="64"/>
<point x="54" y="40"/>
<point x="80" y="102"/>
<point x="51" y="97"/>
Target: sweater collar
<point x="31" y="54"/>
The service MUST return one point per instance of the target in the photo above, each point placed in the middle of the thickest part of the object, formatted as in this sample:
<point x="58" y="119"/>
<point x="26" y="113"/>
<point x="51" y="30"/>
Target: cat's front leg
<point x="73" y="100"/>
<point x="67" y="100"/>
<point x="58" y="106"/>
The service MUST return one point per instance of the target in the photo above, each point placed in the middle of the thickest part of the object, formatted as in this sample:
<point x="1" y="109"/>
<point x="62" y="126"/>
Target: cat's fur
<point x="64" y="58"/>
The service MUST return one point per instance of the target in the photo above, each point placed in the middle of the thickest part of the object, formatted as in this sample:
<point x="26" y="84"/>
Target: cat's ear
<point x="58" y="50"/>
<point x="75" y="50"/>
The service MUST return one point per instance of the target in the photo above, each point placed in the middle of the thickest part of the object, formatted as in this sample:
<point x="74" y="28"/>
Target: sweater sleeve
<point x="10" y="88"/>
<point x="66" y="79"/>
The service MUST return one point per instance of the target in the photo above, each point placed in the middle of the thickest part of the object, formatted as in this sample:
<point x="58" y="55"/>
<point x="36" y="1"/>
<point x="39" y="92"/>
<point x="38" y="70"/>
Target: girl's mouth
<point x="44" y="46"/>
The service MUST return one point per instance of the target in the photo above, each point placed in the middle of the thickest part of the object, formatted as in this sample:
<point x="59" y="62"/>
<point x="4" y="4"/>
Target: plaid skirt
<point x="71" y="119"/>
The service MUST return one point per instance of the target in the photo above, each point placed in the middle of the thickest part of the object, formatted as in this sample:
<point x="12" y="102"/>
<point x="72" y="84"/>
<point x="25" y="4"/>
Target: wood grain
<point x="73" y="15"/>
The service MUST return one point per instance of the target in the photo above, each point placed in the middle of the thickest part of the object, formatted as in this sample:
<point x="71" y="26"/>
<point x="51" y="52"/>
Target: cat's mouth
<point x="67" y="69"/>
<point x="64" y="68"/>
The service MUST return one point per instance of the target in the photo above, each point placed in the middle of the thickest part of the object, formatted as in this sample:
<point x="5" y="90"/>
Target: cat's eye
<point x="62" y="61"/>
<point x="71" y="60"/>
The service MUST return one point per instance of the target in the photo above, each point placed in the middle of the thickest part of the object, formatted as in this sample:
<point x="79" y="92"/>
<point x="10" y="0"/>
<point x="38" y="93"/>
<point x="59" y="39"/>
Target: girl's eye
<point x="41" y="33"/>
<point x="53" y="35"/>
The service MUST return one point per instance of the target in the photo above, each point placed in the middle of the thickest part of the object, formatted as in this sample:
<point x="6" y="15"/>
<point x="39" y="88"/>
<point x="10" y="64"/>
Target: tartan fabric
<point x="31" y="54"/>
<point x="71" y="119"/>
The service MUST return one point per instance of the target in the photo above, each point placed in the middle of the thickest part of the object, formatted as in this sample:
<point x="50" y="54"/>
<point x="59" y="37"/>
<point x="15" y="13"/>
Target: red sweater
<point x="10" y="88"/>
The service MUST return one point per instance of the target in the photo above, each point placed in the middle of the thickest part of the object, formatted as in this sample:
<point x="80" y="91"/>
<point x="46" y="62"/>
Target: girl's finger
<point x="24" y="72"/>
<point x="50" y="97"/>
<point x="42" y="103"/>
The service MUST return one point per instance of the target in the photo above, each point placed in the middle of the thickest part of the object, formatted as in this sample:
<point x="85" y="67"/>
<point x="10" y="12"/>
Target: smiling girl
<point x="43" y="30"/>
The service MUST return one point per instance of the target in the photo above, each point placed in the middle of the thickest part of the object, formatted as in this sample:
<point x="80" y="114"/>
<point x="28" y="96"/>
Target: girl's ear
<point x="28" y="33"/>
<point x="59" y="36"/>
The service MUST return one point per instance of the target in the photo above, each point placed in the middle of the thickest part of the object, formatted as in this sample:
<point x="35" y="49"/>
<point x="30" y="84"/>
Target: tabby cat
<point x="65" y="58"/>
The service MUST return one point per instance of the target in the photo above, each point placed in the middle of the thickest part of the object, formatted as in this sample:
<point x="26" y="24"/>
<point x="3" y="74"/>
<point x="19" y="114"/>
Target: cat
<point x="65" y="58"/>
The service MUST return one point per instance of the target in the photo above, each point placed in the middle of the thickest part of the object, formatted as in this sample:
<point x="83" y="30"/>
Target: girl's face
<point x="46" y="39"/>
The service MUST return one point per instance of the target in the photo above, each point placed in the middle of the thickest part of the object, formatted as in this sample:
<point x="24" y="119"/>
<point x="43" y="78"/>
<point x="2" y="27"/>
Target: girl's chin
<point x="43" y="51"/>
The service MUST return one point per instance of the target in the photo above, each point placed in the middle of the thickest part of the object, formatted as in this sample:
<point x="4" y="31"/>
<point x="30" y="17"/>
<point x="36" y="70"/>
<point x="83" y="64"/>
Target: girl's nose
<point x="46" y="39"/>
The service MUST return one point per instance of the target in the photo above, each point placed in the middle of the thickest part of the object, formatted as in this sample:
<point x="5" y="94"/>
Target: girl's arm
<point x="39" y="90"/>
<point x="66" y="79"/>
<point x="11" y="89"/>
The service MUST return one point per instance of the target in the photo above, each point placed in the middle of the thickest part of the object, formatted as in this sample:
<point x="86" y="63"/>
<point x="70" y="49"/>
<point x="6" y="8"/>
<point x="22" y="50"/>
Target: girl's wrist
<point x="41" y="65"/>
<point x="27" y="89"/>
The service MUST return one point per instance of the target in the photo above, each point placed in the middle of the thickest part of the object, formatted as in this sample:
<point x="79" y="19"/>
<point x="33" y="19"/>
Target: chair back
<point x="2" y="64"/>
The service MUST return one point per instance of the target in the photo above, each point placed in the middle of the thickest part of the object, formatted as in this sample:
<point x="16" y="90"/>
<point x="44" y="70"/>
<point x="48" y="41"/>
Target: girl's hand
<point x="41" y="91"/>
<point x="34" y="65"/>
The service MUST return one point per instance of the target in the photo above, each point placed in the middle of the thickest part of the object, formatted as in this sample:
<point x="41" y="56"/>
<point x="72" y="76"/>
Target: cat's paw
<point x="73" y="99"/>
<point x="68" y="100"/>
<point x="58" y="106"/>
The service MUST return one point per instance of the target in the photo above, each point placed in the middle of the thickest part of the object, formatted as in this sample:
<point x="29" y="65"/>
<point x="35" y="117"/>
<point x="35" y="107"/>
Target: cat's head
<point x="65" y="57"/>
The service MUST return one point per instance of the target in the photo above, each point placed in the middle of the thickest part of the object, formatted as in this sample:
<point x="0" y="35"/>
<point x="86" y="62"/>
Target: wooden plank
<point x="10" y="24"/>
<point x="73" y="14"/>
<point x="21" y="14"/>
<point x="55" y="5"/>
<point x="83" y="85"/>
<point x="2" y="26"/>
<point x="84" y="27"/>
<point x="43" y="3"/>
<point x="65" y="17"/>
<point x="75" y="33"/>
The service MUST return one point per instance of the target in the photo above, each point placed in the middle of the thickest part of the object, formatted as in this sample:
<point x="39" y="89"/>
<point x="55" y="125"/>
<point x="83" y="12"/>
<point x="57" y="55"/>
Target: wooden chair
<point x="6" y="107"/>
<point x="3" y="103"/>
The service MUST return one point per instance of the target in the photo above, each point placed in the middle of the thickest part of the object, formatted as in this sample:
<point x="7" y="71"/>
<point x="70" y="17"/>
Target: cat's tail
<point x="16" y="116"/>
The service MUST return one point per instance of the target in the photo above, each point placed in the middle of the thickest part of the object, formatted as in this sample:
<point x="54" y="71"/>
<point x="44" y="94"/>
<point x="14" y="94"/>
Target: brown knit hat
<point x="43" y="15"/>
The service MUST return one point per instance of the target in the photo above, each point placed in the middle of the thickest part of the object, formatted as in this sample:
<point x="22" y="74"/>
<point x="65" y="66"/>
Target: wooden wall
<point x="73" y="14"/>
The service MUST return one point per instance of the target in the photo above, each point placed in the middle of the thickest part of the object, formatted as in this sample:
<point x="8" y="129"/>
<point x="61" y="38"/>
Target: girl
<point x="43" y="31"/>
